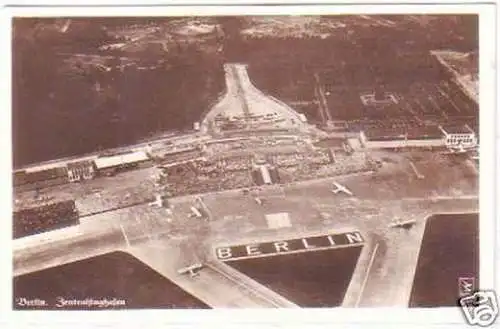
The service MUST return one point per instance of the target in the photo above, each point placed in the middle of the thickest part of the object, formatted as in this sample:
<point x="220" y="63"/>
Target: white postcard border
<point x="354" y="316"/>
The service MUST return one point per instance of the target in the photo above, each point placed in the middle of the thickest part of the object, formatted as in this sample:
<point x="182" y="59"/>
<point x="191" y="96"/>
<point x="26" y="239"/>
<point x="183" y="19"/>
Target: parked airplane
<point x="103" y="67"/>
<point x="341" y="188"/>
<point x="193" y="270"/>
<point x="460" y="149"/>
<point x="158" y="203"/>
<point x="405" y="224"/>
<point x="195" y="213"/>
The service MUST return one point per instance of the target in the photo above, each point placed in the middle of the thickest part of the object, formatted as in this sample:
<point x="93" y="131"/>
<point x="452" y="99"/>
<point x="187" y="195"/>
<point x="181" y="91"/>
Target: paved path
<point x="242" y="99"/>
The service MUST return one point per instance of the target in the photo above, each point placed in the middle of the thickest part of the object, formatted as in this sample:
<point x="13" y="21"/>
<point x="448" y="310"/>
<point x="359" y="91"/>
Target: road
<point x="54" y="251"/>
<point x="323" y="104"/>
<point x="242" y="99"/>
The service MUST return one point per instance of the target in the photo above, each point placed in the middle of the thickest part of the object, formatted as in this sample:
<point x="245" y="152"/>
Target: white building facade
<point x="459" y="136"/>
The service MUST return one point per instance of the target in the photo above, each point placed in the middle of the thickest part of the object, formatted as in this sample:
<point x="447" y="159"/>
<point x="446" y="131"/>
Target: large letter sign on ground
<point x="289" y="246"/>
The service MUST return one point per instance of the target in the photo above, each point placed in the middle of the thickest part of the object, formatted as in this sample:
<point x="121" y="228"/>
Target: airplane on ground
<point x="193" y="269"/>
<point x="158" y="203"/>
<point x="341" y="188"/>
<point x="195" y="213"/>
<point x="460" y="149"/>
<point x="405" y="224"/>
<point x="259" y="201"/>
<point x="103" y="67"/>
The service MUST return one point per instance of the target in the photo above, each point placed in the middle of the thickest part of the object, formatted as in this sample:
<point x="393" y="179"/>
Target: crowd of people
<point x="44" y="218"/>
<point x="344" y="164"/>
<point x="223" y="172"/>
<point x="58" y="174"/>
<point x="319" y="157"/>
<point x="113" y="198"/>
<point x="235" y="164"/>
<point x="194" y="178"/>
<point x="363" y="124"/>
<point x="286" y="160"/>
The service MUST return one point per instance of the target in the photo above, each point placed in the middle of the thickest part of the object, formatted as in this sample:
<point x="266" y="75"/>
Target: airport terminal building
<point x="402" y="137"/>
<point x="456" y="135"/>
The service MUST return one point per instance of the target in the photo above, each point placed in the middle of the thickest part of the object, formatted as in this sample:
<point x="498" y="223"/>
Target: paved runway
<point x="382" y="278"/>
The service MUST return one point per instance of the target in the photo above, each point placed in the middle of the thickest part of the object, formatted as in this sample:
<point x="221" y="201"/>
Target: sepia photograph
<point x="245" y="161"/>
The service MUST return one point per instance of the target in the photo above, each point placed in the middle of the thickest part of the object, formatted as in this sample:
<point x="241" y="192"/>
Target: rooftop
<point x="457" y="129"/>
<point x="424" y="132"/>
<point x="382" y="134"/>
<point x="112" y="161"/>
<point x="377" y="134"/>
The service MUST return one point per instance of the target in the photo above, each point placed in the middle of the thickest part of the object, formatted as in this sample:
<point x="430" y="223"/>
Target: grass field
<point x="308" y="279"/>
<point x="450" y="249"/>
<point x="116" y="275"/>
<point x="423" y="90"/>
<point x="392" y="58"/>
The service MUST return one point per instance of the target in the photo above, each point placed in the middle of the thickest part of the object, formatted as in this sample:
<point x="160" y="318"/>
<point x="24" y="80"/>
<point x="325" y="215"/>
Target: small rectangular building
<point x="266" y="176"/>
<point x="278" y="220"/>
<point x="80" y="170"/>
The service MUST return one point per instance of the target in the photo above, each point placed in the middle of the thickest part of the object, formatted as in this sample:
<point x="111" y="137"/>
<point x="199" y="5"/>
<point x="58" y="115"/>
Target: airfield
<point x="244" y="209"/>
<point x="167" y="240"/>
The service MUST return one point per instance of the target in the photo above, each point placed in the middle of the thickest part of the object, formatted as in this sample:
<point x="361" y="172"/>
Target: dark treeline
<point x="59" y="114"/>
<point x="358" y="45"/>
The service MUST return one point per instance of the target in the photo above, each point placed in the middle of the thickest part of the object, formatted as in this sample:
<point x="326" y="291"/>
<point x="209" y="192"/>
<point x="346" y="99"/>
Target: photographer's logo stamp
<point x="480" y="308"/>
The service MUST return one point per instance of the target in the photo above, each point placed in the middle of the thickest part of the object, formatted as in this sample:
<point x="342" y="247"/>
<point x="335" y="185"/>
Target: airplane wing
<point x="347" y="191"/>
<point x="342" y="188"/>
<point x="183" y="270"/>
<point x="190" y="269"/>
<point x="455" y="151"/>
<point x="403" y="224"/>
<point x="195" y="212"/>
